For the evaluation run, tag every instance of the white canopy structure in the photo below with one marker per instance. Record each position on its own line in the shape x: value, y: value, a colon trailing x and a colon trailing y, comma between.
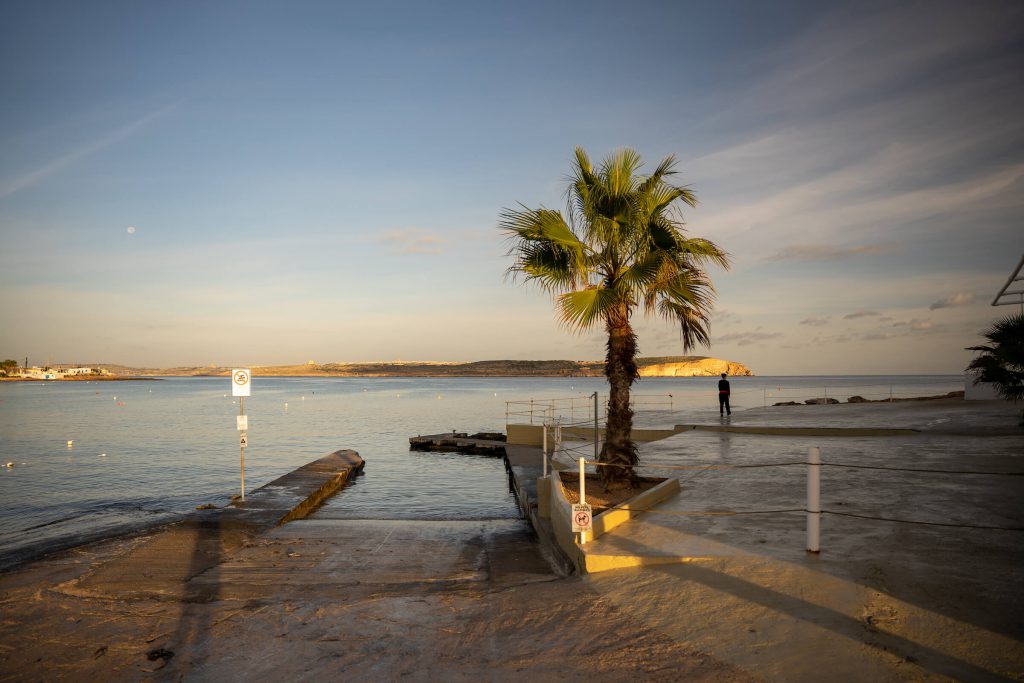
x: 1008, y: 296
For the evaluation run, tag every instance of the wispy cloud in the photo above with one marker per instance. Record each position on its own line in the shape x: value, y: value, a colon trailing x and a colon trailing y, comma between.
x: 860, y: 314
x: 823, y: 252
x: 32, y: 177
x: 747, y: 338
x: 916, y: 324
x: 958, y: 299
x: 413, y: 241
x: 816, y: 320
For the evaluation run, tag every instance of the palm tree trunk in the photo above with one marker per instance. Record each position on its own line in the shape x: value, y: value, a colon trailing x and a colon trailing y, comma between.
x: 619, y: 451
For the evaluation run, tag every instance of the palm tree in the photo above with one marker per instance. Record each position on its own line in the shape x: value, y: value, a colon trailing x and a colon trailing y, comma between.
x: 619, y: 246
x: 1002, y: 360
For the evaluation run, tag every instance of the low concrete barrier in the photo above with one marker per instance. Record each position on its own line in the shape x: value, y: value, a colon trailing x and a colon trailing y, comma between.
x: 533, y: 435
x: 560, y: 510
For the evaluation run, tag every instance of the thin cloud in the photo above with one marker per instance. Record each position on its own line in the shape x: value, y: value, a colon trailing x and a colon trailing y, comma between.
x: 412, y: 241
x: 916, y: 324
x: 860, y: 314
x: 823, y: 252
x: 958, y: 299
x: 816, y: 321
x: 748, y: 338
x: 31, y: 178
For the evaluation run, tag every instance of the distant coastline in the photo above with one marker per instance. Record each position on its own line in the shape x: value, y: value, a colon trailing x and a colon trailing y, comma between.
x: 87, y: 378
x: 664, y: 366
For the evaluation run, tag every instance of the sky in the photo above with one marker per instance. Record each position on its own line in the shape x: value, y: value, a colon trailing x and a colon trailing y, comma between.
x: 256, y: 183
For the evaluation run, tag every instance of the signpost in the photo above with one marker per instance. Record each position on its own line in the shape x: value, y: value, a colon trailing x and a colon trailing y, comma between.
x: 241, y: 386
x: 582, y: 518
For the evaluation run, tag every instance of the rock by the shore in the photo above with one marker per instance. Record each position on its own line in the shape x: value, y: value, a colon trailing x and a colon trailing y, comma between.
x: 820, y: 401
x: 787, y: 403
x: 857, y: 399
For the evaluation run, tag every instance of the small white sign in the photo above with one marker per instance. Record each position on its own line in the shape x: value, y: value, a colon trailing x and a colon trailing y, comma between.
x: 241, y: 382
x: 581, y: 517
x: 243, y: 439
x: 242, y: 421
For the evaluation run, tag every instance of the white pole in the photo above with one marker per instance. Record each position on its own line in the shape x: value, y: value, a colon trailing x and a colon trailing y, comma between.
x: 814, y: 500
x: 241, y: 411
x: 583, y: 493
x: 545, y: 448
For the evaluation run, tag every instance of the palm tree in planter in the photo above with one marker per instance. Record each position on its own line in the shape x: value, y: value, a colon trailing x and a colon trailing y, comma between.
x: 620, y: 246
x: 1001, y: 361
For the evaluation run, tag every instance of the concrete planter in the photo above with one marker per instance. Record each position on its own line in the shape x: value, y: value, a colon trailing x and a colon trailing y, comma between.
x: 559, y: 508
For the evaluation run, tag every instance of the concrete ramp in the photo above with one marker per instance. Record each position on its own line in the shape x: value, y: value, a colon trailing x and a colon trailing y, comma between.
x: 318, y: 554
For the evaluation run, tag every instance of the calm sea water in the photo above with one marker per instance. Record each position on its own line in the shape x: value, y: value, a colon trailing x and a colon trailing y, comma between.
x: 148, y: 451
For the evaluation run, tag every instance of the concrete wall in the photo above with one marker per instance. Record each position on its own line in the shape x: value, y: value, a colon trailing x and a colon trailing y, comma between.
x: 978, y: 392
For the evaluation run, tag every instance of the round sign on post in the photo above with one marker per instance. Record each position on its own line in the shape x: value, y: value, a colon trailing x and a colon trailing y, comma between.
x: 241, y: 382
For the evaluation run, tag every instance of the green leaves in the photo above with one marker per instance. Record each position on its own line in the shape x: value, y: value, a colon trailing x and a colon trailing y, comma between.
x: 620, y: 242
x: 1002, y: 359
x: 585, y: 308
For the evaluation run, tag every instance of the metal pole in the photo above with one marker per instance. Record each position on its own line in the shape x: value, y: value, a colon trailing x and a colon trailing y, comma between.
x: 583, y: 493
x: 764, y: 397
x: 597, y: 432
x: 531, y: 411
x: 890, y: 393
x: 814, y: 500
x: 241, y: 411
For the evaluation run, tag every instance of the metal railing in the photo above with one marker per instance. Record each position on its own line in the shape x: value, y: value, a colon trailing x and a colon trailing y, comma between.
x: 577, y: 409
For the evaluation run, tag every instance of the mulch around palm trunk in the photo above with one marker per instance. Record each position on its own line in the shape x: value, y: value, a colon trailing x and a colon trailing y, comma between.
x: 599, y: 499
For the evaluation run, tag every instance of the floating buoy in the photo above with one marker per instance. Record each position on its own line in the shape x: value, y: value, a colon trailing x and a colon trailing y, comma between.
x: 286, y: 406
x: 71, y: 444
x: 10, y: 465
x: 439, y: 397
x: 103, y: 455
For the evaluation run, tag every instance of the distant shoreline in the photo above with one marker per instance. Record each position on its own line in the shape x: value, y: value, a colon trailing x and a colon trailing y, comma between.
x: 85, y: 378
x: 666, y: 366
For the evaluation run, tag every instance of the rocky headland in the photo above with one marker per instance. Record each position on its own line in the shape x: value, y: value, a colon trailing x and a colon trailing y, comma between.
x: 663, y: 366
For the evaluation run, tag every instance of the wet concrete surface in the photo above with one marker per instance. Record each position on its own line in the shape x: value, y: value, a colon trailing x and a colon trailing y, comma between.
x: 884, y: 600
x: 476, y: 600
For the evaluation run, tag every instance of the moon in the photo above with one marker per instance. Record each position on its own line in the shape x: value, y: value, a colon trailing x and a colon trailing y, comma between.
x: 131, y: 229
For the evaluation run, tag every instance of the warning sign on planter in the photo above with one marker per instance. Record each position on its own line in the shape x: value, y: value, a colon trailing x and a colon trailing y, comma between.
x: 581, y: 518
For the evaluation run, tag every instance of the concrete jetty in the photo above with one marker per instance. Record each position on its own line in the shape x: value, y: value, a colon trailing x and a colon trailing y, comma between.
x: 164, y: 562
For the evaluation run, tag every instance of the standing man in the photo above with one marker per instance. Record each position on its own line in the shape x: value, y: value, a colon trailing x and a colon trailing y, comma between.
x: 723, y: 396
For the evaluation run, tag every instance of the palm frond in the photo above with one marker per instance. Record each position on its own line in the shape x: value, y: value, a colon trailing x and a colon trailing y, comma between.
x: 584, y: 308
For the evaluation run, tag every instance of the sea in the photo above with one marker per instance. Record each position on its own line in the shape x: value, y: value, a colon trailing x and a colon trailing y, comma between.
x: 85, y: 460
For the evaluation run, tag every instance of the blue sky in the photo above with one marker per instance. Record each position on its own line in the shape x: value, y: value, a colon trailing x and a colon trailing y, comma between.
x: 322, y: 181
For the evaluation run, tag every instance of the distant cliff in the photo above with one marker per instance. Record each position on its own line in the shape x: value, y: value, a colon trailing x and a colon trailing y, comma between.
x: 668, y: 366
x: 691, y: 367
